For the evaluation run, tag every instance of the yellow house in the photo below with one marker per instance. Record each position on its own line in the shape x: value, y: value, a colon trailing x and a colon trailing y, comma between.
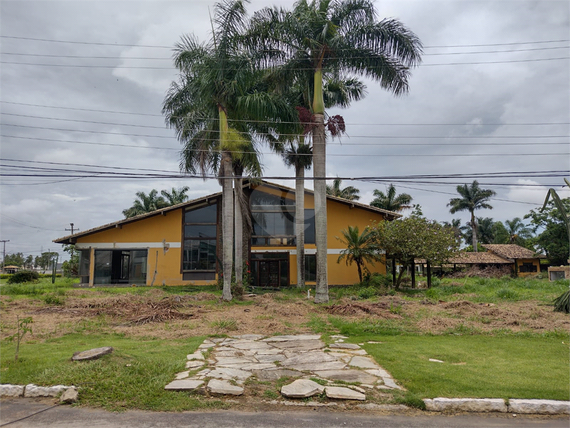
x: 181, y: 244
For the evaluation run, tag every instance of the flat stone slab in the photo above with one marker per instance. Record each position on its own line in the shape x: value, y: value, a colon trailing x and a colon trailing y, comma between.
x: 363, y: 363
x: 249, y: 336
x: 183, y: 375
x: 195, y: 356
x: 343, y: 346
x: 466, y: 405
x: 91, y: 354
x: 216, y: 386
x: 184, y: 385
x: 301, y: 388
x: 349, y: 375
x: 229, y: 373
x: 308, y: 357
x: 269, y: 375
x: 544, y: 407
x: 7, y: 390
x: 343, y: 393
x: 223, y: 361
x: 389, y: 382
x: 194, y: 364
x: 250, y: 345
x: 293, y: 337
x: 300, y: 345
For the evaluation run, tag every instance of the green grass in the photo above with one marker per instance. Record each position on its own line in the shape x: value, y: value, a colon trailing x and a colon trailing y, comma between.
x: 132, y: 377
x: 476, y: 366
x: 39, y: 288
x: 493, y: 290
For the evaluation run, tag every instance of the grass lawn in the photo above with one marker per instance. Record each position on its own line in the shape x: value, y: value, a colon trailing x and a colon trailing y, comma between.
x: 132, y: 377
x: 476, y: 366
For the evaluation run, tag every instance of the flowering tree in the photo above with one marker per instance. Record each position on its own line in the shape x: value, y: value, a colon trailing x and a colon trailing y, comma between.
x: 416, y: 237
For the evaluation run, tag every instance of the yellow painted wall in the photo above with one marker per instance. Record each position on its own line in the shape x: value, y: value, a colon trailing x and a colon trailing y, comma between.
x: 339, y: 217
x: 520, y: 262
x: 154, y: 229
x: 168, y: 228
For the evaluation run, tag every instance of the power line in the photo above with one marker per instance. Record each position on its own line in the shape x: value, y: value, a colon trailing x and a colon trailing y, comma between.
x: 299, y: 68
x: 261, y: 121
x: 396, y: 137
x: 170, y: 47
x: 353, y: 57
x: 329, y: 144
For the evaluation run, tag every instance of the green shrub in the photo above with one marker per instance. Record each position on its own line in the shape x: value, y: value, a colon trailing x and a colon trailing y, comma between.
x: 23, y: 276
x: 507, y: 294
x: 52, y: 299
x: 367, y: 292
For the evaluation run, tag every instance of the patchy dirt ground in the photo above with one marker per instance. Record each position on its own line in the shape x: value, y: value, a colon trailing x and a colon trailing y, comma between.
x: 165, y: 315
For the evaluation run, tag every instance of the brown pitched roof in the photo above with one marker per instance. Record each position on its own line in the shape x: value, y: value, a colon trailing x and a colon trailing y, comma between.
x: 467, y: 258
x: 511, y: 251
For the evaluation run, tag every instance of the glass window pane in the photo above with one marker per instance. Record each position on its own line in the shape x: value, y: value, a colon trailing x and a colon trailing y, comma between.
x: 138, y: 267
x: 207, y: 214
x: 84, y: 259
x: 199, y: 254
x: 103, y: 266
x: 200, y: 231
x: 309, y: 226
x: 266, y: 201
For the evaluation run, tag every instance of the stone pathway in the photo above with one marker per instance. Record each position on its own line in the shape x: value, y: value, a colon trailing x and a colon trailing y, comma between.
x: 231, y: 361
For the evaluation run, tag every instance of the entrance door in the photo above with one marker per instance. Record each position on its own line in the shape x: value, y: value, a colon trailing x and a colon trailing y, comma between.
x: 270, y: 270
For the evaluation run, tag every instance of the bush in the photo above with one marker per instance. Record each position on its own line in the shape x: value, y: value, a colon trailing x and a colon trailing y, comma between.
x: 367, y: 292
x: 562, y: 302
x: 23, y: 276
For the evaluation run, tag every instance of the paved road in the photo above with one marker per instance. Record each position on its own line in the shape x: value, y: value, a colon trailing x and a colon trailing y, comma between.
x: 68, y: 417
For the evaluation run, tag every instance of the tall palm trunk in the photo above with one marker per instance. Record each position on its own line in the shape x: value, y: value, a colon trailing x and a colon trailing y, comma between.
x: 300, y: 223
x: 320, y: 173
x: 226, y: 172
x: 474, y: 230
x: 238, y: 198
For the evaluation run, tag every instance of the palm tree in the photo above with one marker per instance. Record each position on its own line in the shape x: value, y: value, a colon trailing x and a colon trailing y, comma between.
x: 340, y: 36
x: 472, y: 198
x: 361, y: 248
x: 517, y: 230
x: 145, y: 204
x: 176, y: 196
x: 455, y: 225
x: 218, y: 82
x: 349, y: 192
x: 390, y: 201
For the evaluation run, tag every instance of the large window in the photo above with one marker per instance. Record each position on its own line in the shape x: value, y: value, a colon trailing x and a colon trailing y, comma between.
x: 274, y: 221
x: 120, y: 267
x: 310, y: 267
x: 200, y: 239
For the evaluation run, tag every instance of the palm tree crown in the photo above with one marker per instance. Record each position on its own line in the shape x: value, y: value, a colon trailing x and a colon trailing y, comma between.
x: 472, y: 198
x: 351, y: 193
x: 333, y: 36
x: 361, y: 248
x: 390, y: 201
x: 145, y: 204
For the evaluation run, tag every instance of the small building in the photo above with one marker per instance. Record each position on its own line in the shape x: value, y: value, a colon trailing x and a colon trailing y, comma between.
x: 558, y: 272
x: 525, y: 262
x: 181, y: 244
x: 11, y: 269
x: 521, y: 261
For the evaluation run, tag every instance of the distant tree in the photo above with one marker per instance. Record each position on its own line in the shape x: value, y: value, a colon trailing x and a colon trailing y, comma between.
x: 176, y: 196
x: 455, y: 225
x: 145, y: 204
x: 390, y: 200
x: 349, y: 192
x: 417, y: 211
x: 71, y: 267
x: 553, y: 236
x: 29, y: 263
x: 46, y: 259
x: 518, y: 231
x: 361, y: 248
x: 472, y: 198
x: 500, y: 233
x: 416, y: 237
x: 16, y: 259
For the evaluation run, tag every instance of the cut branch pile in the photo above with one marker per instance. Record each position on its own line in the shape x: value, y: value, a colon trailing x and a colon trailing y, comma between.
x: 135, y: 311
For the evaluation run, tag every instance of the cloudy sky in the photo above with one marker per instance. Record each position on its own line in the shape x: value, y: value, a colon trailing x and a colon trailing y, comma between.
x: 82, y: 83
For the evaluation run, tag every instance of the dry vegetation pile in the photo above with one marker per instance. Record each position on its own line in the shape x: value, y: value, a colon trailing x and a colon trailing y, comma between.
x: 133, y: 310
x: 157, y: 313
x: 488, y: 272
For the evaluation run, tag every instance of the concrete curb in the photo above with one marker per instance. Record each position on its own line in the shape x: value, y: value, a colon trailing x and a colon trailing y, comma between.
x: 31, y: 390
x: 523, y: 406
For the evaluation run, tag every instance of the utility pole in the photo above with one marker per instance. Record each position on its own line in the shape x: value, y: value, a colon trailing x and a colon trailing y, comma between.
x: 71, y: 224
x: 4, y: 252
